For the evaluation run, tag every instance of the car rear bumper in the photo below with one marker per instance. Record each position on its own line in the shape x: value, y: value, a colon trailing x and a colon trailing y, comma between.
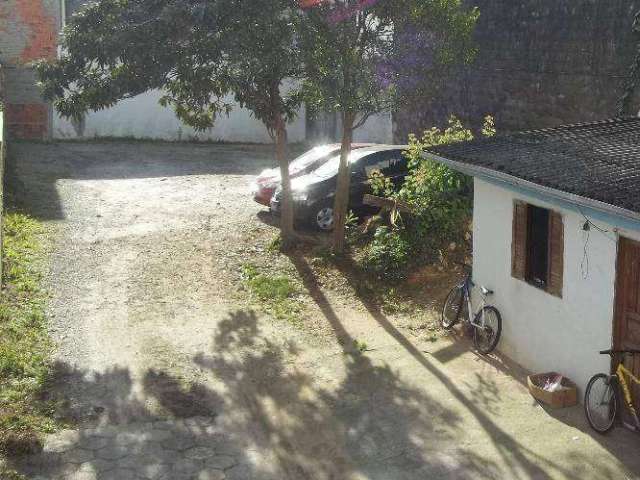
x: 263, y: 195
x: 301, y: 210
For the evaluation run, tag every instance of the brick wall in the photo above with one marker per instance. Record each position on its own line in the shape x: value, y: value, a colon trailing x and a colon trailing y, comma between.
x: 28, y: 32
x: 540, y: 63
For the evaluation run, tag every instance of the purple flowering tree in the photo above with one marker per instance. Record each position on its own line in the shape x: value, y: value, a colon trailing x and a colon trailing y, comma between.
x: 364, y: 57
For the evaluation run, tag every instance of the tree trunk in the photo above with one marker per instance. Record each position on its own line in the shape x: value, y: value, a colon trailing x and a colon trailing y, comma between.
x: 287, y: 233
x: 341, y: 203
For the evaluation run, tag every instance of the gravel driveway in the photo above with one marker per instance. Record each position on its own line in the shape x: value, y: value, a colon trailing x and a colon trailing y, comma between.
x: 167, y: 372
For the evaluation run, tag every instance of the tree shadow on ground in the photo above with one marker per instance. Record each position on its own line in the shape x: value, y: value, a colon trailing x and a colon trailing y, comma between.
x: 364, y: 419
x: 518, y: 460
x: 262, y: 417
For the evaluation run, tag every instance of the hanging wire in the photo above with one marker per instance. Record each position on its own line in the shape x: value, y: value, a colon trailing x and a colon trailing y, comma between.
x: 584, y: 265
x: 586, y: 228
x: 588, y: 223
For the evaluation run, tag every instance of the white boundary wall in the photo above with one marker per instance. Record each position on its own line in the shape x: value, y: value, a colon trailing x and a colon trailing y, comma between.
x: 143, y: 117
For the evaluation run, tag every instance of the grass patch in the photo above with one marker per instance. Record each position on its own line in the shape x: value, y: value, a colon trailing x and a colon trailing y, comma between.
x: 275, y: 245
x: 360, y: 345
x: 24, y: 343
x: 275, y: 293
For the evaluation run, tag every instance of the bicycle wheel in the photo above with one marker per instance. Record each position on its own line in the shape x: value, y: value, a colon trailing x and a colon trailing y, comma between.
x: 601, y: 402
x: 452, y: 307
x: 485, y: 339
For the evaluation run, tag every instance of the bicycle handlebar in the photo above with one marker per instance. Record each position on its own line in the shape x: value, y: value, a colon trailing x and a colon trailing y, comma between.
x: 613, y: 352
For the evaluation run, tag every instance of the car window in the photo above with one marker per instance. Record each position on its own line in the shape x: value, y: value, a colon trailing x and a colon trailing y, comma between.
x: 377, y: 162
x: 315, y: 155
x: 397, y: 164
x: 330, y: 167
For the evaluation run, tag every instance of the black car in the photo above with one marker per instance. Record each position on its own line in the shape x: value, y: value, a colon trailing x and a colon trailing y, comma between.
x: 313, y: 194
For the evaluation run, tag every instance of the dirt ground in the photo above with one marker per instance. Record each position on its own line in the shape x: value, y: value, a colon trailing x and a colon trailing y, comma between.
x: 169, y: 369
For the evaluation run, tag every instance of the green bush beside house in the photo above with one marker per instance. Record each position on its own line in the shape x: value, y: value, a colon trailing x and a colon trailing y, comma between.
x: 441, y: 202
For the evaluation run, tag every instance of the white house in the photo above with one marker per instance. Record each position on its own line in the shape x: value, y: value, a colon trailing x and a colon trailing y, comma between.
x: 557, y: 236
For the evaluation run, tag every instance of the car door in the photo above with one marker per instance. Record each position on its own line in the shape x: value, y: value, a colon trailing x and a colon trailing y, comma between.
x: 378, y: 161
x: 397, y: 169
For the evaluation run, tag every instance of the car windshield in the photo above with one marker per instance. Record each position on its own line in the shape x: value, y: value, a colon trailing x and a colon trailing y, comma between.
x: 313, y: 155
x: 330, y: 168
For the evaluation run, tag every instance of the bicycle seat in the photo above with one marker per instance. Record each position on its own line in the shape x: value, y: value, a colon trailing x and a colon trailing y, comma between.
x: 613, y: 352
x: 486, y: 291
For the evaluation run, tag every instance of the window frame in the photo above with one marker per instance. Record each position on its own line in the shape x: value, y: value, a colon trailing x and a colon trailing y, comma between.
x: 532, y: 248
x: 520, y: 248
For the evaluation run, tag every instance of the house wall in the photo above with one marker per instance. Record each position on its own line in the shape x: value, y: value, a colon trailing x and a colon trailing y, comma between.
x: 540, y: 331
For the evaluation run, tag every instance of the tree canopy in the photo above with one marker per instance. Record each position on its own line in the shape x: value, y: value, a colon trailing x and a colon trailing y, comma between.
x: 358, y: 57
x: 363, y: 57
x: 199, y: 53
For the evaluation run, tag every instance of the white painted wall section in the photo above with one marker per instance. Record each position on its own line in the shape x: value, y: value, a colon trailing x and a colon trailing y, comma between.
x: 377, y: 129
x: 540, y: 331
x: 143, y: 117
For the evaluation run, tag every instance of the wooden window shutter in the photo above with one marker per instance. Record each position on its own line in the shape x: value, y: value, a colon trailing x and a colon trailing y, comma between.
x: 519, y: 240
x: 556, y: 254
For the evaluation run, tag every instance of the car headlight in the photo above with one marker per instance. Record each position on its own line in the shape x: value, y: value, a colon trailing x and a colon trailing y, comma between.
x: 299, y: 195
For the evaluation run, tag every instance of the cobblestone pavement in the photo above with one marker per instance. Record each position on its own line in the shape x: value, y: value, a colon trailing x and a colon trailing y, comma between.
x: 180, y: 449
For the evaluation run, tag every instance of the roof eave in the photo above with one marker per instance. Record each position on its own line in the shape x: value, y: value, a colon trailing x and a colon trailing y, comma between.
x: 478, y: 171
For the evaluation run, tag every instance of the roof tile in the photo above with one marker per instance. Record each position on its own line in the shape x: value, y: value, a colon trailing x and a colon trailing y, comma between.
x: 599, y: 160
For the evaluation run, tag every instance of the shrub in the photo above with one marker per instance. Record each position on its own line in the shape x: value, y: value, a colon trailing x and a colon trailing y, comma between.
x: 388, y: 254
x: 441, y: 200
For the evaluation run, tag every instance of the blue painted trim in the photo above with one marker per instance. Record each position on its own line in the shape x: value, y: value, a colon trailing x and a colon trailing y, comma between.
x: 591, y: 213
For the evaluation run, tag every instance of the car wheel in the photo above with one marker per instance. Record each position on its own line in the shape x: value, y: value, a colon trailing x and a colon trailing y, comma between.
x: 323, y: 218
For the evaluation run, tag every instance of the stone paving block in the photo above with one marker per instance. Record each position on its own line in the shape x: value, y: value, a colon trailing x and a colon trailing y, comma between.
x: 108, y: 431
x: 213, y: 439
x: 187, y: 466
x: 93, y: 442
x: 198, y: 422
x: 211, y: 475
x: 154, y: 471
x: 221, y: 462
x: 61, y: 442
x: 98, y: 465
x: 164, y: 424
x: 134, y: 461
x: 129, y: 438
x: 159, y: 435
x: 154, y: 450
x: 113, y: 452
x: 119, y: 474
x: 179, y: 443
x: 81, y: 475
x: 200, y: 453
x: 240, y: 472
x: 77, y: 456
